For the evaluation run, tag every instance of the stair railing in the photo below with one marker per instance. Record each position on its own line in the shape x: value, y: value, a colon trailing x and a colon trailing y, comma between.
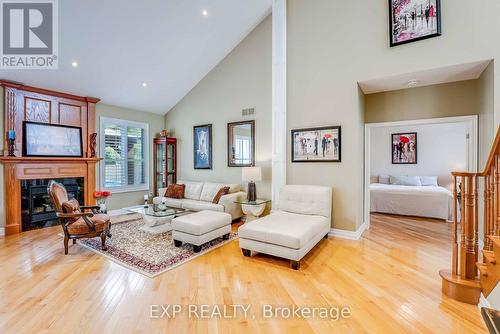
x: 465, y: 213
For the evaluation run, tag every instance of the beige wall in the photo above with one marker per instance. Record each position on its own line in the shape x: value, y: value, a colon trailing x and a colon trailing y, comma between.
x: 332, y: 45
x: 156, y: 122
x: 241, y: 80
x: 450, y: 99
x: 486, y: 88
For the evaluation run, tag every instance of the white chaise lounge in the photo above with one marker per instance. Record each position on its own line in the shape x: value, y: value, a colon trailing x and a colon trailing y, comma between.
x: 302, y: 219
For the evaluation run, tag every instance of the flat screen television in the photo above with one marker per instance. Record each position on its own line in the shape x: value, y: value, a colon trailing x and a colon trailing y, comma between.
x: 51, y: 140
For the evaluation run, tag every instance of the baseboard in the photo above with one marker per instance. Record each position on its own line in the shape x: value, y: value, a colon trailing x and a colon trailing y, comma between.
x: 352, y: 235
x: 483, y: 302
x: 2, y: 231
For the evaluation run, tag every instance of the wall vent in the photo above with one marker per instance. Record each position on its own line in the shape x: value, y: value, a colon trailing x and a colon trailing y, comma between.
x: 248, y: 112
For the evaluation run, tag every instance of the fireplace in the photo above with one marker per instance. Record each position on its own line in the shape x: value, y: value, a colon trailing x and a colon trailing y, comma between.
x: 25, y: 200
x: 36, y: 207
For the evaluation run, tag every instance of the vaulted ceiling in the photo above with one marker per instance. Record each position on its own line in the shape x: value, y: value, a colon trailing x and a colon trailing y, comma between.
x: 144, y: 55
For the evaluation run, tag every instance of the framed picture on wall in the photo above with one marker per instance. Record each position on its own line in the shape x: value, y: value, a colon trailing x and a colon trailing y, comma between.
x: 51, y: 140
x: 413, y: 20
x: 317, y: 144
x: 404, y: 148
x: 202, y: 146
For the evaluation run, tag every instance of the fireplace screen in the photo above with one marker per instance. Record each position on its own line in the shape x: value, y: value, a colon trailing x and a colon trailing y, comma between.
x: 36, y: 206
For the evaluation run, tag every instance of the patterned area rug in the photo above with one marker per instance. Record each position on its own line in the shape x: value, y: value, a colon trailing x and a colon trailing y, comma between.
x: 146, y: 253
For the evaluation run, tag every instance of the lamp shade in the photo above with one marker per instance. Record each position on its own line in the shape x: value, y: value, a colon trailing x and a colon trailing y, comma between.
x: 251, y: 174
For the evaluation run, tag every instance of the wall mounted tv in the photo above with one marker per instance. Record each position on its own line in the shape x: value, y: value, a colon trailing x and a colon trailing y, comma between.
x: 51, y: 140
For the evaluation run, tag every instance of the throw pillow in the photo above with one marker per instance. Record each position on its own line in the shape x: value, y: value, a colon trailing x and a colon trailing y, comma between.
x: 222, y: 191
x: 404, y: 180
x: 431, y: 181
x: 71, y: 206
x: 383, y: 178
x: 175, y: 191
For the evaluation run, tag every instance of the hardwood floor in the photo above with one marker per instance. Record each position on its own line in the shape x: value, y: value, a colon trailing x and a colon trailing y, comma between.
x: 389, y: 280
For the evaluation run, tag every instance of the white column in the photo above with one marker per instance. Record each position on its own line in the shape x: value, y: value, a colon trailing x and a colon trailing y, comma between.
x: 279, y: 126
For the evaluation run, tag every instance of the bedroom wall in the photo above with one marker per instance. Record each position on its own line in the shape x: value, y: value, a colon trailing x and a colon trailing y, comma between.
x: 441, y: 148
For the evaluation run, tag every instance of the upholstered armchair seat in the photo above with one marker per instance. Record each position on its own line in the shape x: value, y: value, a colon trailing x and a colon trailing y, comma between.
x: 80, y: 226
x: 77, y: 223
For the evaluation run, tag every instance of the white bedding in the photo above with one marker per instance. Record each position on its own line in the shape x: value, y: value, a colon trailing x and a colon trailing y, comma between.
x: 428, y: 201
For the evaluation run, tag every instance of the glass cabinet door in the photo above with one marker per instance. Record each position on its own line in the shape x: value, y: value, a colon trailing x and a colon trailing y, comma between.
x: 171, y: 163
x: 161, y: 161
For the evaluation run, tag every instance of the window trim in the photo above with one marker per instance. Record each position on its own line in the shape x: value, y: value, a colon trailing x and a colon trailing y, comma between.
x: 125, y: 189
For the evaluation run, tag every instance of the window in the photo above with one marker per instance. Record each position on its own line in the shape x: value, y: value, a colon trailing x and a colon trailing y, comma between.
x: 123, y: 145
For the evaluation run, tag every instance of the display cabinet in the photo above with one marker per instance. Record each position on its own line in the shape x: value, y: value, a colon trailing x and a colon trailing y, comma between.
x: 165, y: 162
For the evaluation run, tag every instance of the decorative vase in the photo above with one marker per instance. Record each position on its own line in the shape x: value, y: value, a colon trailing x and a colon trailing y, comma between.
x: 101, y: 202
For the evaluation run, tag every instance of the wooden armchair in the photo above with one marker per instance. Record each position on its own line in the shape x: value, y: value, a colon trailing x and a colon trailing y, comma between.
x: 77, y: 223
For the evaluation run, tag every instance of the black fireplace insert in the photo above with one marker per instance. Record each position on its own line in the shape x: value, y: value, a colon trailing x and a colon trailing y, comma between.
x: 36, y: 206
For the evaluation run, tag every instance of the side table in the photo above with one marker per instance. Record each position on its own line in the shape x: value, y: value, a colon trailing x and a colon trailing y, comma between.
x: 253, y: 209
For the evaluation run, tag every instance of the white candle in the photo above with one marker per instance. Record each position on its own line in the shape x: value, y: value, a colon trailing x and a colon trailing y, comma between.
x: 146, y: 197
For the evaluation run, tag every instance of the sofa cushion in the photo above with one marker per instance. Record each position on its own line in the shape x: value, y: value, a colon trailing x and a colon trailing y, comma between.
x: 201, y: 222
x: 284, y: 229
x: 192, y: 189
x: 233, y: 187
x: 174, y: 202
x: 193, y: 205
x: 209, y: 191
x: 307, y: 200
x: 222, y: 191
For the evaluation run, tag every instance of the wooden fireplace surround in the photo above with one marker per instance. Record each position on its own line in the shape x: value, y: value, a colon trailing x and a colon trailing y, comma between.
x: 26, y: 103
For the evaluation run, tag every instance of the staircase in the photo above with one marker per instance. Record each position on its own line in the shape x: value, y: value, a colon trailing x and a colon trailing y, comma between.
x: 470, y: 274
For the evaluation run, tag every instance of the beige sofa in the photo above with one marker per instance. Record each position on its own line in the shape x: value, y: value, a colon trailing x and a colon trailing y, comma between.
x: 302, y: 219
x: 198, y: 196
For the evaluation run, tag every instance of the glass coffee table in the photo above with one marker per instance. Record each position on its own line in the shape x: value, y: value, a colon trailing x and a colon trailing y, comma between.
x: 157, y: 221
x: 253, y: 209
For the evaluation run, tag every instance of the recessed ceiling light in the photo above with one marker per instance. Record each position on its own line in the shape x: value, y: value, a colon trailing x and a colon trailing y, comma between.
x: 413, y: 83
x: 204, y: 12
x: 144, y: 84
x: 74, y: 64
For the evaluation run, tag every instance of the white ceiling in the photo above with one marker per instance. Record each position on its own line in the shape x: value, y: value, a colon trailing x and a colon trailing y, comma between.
x: 467, y: 71
x: 119, y: 44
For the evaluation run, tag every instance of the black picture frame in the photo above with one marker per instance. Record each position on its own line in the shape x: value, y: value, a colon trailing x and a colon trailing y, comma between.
x: 229, y: 142
x: 27, y: 153
x: 393, y: 148
x: 392, y: 22
x: 196, y: 164
x: 325, y: 128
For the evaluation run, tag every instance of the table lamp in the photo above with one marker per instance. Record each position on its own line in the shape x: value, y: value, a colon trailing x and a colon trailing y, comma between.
x: 251, y: 175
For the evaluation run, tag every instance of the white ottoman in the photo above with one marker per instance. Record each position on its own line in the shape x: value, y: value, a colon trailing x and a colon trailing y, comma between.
x: 200, y: 227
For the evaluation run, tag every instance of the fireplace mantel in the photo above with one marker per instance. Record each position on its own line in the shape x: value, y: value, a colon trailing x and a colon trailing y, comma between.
x: 26, y: 103
x: 7, y: 160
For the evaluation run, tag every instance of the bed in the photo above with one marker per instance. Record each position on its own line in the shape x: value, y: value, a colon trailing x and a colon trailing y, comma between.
x: 422, y: 201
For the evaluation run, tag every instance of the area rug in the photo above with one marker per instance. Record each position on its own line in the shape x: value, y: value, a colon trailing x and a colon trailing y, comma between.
x: 146, y: 253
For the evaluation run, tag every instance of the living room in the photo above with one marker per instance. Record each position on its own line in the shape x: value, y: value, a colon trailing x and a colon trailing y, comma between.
x: 192, y: 166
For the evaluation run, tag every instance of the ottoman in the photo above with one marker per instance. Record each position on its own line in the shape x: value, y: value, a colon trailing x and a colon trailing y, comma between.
x: 200, y: 227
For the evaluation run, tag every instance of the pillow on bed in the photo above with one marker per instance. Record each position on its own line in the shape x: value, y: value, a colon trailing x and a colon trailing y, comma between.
x: 431, y: 181
x: 384, y: 179
x: 404, y: 180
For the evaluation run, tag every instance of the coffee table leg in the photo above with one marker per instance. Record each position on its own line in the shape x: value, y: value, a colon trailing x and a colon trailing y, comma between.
x: 196, y: 249
x: 177, y: 243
